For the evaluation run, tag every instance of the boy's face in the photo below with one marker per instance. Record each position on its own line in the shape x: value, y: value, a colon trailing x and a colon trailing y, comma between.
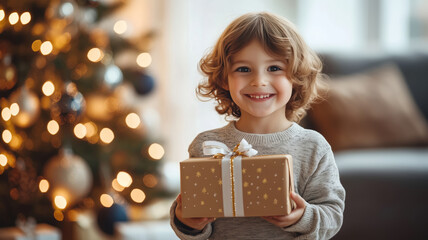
x: 258, y: 84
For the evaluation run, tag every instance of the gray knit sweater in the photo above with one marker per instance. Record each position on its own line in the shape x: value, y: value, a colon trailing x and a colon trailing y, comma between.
x: 316, y: 180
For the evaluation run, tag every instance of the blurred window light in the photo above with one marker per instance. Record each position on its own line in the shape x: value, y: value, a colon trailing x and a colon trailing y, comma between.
x: 331, y: 25
x: 394, y: 22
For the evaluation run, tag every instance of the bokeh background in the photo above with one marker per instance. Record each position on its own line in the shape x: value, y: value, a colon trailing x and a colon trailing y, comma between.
x: 98, y: 102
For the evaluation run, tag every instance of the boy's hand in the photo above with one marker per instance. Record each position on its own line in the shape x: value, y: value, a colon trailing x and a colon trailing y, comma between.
x: 195, y: 223
x: 293, y: 217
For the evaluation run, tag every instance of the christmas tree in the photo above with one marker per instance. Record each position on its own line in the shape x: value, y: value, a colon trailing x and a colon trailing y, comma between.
x: 71, y: 136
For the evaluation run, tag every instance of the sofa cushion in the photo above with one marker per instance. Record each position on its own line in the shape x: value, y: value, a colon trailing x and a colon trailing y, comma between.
x: 370, y: 109
x: 412, y: 64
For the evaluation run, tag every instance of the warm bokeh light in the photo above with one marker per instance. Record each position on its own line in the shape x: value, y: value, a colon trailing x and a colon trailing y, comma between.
x: 43, y: 185
x: 80, y: 130
x: 116, y: 186
x: 58, y: 215
x: 132, y: 120
x: 144, y: 60
x: 60, y: 202
x: 156, y: 151
x: 150, y: 180
x: 91, y: 129
x: 14, y: 109
x: 25, y: 18
x: 95, y: 55
x: 73, y: 215
x: 14, y: 193
x: 36, y: 45
x: 46, y: 48
x: 1, y: 14
x: 6, y: 114
x: 13, y: 18
x: 120, y: 27
x: 53, y: 127
x: 6, y: 136
x: 106, y: 135
x: 3, y: 160
x: 16, y: 141
x: 124, y: 179
x: 137, y: 195
x: 106, y: 200
x: 48, y: 88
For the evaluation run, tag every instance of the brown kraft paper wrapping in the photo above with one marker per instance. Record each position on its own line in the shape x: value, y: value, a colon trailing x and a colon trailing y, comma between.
x: 266, y: 184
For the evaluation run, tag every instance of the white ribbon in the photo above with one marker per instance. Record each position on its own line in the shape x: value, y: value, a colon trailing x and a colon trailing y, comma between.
x: 232, y: 192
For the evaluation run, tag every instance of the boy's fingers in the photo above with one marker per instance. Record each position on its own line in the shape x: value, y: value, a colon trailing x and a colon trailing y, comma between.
x: 178, y: 199
x: 300, y: 202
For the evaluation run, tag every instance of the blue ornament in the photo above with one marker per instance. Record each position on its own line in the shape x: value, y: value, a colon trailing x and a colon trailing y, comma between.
x: 144, y: 84
x: 107, y: 217
x: 70, y: 107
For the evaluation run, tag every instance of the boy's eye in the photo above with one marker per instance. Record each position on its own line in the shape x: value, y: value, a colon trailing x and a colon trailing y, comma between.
x: 242, y: 69
x: 274, y: 68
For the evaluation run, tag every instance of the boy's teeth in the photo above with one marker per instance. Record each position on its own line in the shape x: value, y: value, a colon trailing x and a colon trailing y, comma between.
x: 259, y: 96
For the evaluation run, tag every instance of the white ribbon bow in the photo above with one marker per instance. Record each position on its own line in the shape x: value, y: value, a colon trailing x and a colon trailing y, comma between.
x: 231, y: 173
x: 216, y: 147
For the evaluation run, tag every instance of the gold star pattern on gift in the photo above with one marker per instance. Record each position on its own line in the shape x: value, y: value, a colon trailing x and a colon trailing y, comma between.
x: 262, y: 186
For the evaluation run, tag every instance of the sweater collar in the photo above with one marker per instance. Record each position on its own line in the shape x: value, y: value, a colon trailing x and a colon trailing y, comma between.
x: 263, y: 139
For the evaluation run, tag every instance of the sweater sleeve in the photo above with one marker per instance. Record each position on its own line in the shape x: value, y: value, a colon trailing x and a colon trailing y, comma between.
x: 325, y: 198
x: 180, y: 229
x: 187, y: 234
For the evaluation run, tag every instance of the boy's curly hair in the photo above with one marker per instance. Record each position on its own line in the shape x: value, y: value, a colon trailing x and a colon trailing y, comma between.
x: 279, y: 38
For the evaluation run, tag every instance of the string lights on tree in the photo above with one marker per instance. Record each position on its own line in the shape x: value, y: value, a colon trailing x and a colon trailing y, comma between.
x: 63, y: 124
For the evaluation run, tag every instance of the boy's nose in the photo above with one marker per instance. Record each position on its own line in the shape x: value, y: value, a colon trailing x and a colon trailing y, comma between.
x: 258, y: 80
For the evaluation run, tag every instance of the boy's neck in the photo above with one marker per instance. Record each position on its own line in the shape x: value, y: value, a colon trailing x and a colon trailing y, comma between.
x: 261, y: 125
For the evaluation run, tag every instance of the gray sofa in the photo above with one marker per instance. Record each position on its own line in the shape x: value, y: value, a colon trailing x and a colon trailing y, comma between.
x: 386, y: 183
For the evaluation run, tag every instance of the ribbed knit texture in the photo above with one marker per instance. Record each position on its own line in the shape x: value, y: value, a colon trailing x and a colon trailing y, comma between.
x: 316, y: 180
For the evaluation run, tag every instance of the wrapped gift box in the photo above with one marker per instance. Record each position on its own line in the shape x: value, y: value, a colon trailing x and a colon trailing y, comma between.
x: 257, y: 186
